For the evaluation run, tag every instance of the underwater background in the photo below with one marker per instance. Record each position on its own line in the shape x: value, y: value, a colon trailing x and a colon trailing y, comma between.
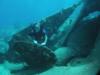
x: 71, y: 33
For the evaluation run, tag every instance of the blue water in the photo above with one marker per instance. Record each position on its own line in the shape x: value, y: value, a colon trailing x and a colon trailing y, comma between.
x: 17, y: 14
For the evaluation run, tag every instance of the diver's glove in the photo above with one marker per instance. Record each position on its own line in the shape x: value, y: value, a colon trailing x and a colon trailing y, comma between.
x: 39, y: 58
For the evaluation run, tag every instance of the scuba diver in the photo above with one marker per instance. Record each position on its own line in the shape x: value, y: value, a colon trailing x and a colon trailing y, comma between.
x: 39, y: 34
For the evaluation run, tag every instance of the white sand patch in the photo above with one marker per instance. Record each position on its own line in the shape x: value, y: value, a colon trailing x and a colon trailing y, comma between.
x: 4, y: 71
x: 80, y: 69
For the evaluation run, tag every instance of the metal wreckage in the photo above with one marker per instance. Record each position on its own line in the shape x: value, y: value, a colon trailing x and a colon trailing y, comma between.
x: 36, y: 43
x: 39, y: 57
